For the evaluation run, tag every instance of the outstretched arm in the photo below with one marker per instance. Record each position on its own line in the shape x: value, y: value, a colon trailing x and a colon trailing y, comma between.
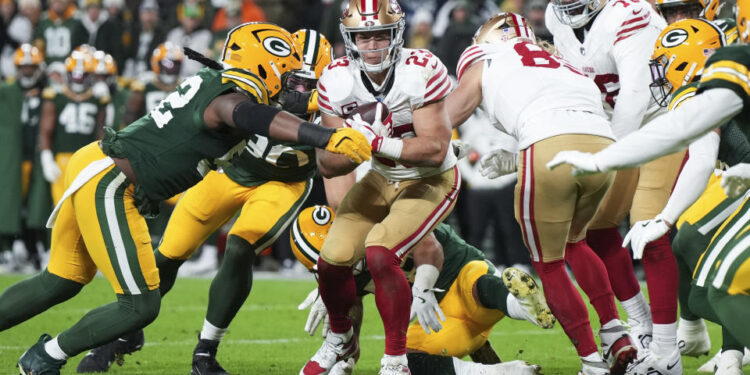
x: 462, y: 102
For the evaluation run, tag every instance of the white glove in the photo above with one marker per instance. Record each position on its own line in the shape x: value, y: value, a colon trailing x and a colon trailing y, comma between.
x: 317, y: 313
x: 736, y: 180
x: 582, y: 162
x: 425, y: 307
x: 644, y: 232
x: 460, y: 148
x: 498, y: 163
x: 49, y: 167
x: 343, y: 367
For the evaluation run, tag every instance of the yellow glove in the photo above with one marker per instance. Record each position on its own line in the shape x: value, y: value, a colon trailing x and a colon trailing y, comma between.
x: 349, y: 142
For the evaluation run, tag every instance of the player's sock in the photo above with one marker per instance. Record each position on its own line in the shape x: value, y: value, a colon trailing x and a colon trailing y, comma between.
x: 493, y: 294
x: 392, y: 296
x: 591, y: 275
x: 665, y: 337
x: 637, y: 308
x: 232, y: 283
x: 567, y: 305
x: 729, y: 342
x: 106, y: 323
x: 212, y: 332
x: 593, y: 357
x: 428, y: 364
x: 53, y: 349
x: 339, y: 292
x: 607, y: 244
x: 661, y: 276
x: 167, y: 271
x: 29, y: 297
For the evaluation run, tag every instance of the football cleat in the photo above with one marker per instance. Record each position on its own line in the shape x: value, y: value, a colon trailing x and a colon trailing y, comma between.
x: 593, y: 368
x: 692, y: 338
x: 618, y: 348
x: 394, y: 365
x: 335, y: 348
x: 641, y: 333
x: 35, y: 360
x: 712, y: 364
x: 204, y: 358
x: 101, y: 358
x: 343, y: 367
x: 651, y: 363
x: 524, y: 289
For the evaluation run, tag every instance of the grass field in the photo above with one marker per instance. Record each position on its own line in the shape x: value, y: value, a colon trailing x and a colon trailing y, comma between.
x: 267, y: 337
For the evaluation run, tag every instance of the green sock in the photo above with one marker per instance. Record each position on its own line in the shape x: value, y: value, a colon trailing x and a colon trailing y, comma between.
x: 729, y: 342
x: 428, y: 364
x: 232, y: 283
x: 167, y: 271
x: 732, y: 311
x: 27, y: 298
x: 108, y: 322
x: 492, y: 293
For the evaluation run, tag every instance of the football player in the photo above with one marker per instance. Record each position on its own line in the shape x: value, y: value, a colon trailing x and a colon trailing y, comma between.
x: 547, y: 105
x: 469, y: 290
x: 612, y: 42
x: 676, y: 10
x: 721, y: 97
x: 151, y: 89
x: 110, y: 185
x: 411, y: 188
x: 267, y: 184
x: 71, y: 118
x: 59, y: 31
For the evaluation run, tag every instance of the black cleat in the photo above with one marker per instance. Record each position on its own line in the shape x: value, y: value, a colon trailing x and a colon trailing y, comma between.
x: 36, y: 361
x: 204, y: 358
x: 101, y: 358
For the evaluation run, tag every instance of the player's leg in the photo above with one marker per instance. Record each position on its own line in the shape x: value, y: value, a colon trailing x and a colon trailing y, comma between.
x: 361, y: 208
x: 417, y: 207
x: 729, y: 290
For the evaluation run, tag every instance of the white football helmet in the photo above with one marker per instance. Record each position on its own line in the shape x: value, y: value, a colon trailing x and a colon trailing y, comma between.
x: 577, y: 13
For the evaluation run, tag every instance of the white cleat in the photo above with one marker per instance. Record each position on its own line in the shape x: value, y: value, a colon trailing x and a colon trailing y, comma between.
x: 525, y: 290
x: 593, y: 368
x: 713, y: 364
x: 692, y: 338
x: 335, y: 348
x: 641, y: 332
x: 512, y: 368
x: 651, y: 363
x: 394, y: 365
x: 343, y: 367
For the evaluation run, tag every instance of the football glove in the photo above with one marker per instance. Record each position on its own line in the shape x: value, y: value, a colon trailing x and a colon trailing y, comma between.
x: 498, y: 163
x: 425, y: 307
x: 736, y: 180
x: 50, y: 170
x: 318, y: 313
x: 460, y: 148
x: 582, y: 162
x: 644, y: 232
x: 350, y: 143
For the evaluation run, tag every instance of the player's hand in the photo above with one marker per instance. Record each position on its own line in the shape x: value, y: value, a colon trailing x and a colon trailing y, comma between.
x: 50, y: 170
x: 498, y: 163
x: 582, y: 162
x: 736, y: 180
x: 318, y: 313
x: 425, y: 307
x: 460, y: 148
x: 350, y: 143
x: 644, y: 232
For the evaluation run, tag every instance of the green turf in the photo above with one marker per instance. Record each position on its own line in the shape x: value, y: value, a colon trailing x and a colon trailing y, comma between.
x: 267, y: 336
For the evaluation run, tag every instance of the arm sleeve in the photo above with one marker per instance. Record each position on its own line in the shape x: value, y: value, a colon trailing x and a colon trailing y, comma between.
x: 734, y: 147
x: 693, y: 177
x: 672, y: 131
x: 632, y: 53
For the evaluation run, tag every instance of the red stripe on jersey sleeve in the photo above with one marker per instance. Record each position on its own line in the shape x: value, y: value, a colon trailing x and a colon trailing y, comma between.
x: 432, y: 98
x: 323, y: 97
x: 442, y: 72
x: 437, y: 87
x: 321, y: 87
x: 467, y: 59
x: 324, y: 105
x: 630, y: 32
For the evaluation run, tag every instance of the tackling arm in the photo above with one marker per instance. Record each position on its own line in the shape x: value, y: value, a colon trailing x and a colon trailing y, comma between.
x: 331, y: 165
x: 462, y: 102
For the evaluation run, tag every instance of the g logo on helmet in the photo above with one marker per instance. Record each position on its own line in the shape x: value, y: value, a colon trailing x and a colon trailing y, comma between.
x: 321, y: 215
x: 277, y: 46
x: 674, y: 38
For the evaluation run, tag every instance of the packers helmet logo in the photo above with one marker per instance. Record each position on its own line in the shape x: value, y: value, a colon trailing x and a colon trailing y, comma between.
x: 674, y: 38
x: 277, y: 46
x: 321, y: 215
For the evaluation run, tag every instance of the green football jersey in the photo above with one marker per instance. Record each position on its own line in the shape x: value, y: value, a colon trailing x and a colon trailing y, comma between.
x: 170, y: 148
x: 75, y: 118
x: 60, y: 37
x: 457, y: 254
x: 264, y: 160
x: 728, y: 68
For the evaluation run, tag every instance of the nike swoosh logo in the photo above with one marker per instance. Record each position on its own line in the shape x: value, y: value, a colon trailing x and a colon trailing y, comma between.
x: 644, y: 225
x: 435, y: 65
x: 635, y: 13
x: 423, y: 300
x: 670, y: 366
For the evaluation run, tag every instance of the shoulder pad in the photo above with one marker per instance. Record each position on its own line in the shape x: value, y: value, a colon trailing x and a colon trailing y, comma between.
x: 48, y: 93
x: 247, y: 82
x: 335, y: 86
x: 626, y: 18
x: 425, y: 77
x: 470, y: 55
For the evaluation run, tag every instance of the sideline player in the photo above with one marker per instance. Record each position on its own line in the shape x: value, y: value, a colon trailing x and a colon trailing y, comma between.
x: 99, y: 223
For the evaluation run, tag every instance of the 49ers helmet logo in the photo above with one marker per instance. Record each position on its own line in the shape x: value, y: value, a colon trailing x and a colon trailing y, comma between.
x: 277, y: 46
x: 674, y: 38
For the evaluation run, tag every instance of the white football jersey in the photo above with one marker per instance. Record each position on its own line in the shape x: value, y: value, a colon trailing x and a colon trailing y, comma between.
x: 597, y: 56
x: 533, y: 95
x: 419, y: 77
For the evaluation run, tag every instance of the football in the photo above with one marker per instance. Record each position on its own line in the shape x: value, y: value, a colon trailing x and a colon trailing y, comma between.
x: 368, y: 110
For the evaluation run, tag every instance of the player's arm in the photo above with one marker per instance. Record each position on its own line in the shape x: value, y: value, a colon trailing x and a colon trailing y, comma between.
x: 333, y: 166
x: 101, y: 119
x: 462, y: 102
x: 249, y: 117
x: 428, y: 260
x: 428, y: 148
x: 47, y: 124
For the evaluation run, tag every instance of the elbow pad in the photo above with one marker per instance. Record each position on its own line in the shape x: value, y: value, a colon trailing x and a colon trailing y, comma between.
x: 254, y: 118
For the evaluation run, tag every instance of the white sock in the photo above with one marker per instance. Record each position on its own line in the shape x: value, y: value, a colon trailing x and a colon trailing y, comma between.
x: 665, y: 337
x: 515, y: 311
x: 393, y: 359
x: 345, y: 337
x: 637, y: 308
x: 611, y: 323
x: 212, y: 332
x: 593, y: 357
x: 692, y: 325
x: 467, y: 368
x: 53, y: 349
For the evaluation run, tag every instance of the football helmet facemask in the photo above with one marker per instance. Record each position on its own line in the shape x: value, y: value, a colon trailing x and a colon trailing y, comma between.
x: 362, y: 16
x: 299, y: 87
x: 677, y: 10
x: 577, y: 13
x: 166, y: 61
x: 29, y: 62
x: 742, y: 13
x: 79, y: 66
